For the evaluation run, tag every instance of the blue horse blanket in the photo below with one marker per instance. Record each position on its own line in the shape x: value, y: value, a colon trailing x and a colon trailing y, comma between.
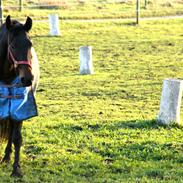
x: 17, y: 102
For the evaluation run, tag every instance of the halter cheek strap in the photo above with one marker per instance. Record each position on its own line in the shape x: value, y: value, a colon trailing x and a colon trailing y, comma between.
x: 14, y: 61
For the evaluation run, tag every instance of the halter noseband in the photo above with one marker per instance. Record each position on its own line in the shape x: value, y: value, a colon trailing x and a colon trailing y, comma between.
x: 12, y: 59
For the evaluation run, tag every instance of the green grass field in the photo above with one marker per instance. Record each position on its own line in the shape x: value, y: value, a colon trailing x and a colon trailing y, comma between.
x: 93, y: 9
x: 101, y: 128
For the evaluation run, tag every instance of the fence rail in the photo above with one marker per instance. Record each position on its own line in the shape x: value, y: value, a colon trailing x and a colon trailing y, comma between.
x: 91, y: 9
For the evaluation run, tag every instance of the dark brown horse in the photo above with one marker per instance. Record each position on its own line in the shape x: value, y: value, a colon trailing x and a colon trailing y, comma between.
x: 17, y: 59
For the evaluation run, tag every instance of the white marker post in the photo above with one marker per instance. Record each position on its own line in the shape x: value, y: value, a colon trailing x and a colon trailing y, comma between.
x: 86, y: 64
x: 54, y: 25
x: 170, y: 101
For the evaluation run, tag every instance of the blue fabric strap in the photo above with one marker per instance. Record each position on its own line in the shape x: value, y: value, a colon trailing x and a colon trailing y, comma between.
x: 17, y: 103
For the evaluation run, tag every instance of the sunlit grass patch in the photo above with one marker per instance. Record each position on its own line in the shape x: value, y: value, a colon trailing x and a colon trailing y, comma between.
x: 103, y: 127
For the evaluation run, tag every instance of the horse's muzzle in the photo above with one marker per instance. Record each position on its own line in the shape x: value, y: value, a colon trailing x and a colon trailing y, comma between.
x: 25, y: 75
x: 26, y: 82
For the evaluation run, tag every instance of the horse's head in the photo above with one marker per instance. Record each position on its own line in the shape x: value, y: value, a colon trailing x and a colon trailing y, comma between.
x: 19, y: 49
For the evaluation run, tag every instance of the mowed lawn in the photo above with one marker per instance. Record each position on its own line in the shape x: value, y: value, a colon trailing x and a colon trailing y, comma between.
x: 102, y: 128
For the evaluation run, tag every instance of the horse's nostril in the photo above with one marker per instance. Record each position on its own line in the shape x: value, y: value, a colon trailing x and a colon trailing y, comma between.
x: 26, y: 82
x: 22, y: 80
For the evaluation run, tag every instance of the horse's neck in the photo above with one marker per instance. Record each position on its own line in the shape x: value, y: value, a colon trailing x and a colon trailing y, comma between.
x: 35, y: 69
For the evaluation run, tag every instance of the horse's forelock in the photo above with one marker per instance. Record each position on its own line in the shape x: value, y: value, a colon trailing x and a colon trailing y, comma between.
x: 16, y: 27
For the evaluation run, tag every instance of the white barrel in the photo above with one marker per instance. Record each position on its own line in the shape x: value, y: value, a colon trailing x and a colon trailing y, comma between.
x: 170, y: 101
x: 54, y: 25
x: 86, y: 63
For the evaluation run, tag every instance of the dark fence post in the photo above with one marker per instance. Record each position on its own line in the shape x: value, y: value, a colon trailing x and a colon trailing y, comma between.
x: 20, y: 5
x: 1, y: 13
x: 145, y: 4
x: 137, y: 11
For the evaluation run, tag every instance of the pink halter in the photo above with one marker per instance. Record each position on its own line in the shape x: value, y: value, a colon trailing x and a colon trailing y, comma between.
x: 13, y: 60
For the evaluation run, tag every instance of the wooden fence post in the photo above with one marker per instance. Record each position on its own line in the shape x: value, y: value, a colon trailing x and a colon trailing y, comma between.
x: 145, y: 4
x: 1, y: 13
x: 137, y: 11
x: 170, y: 101
x: 86, y: 64
x: 20, y: 5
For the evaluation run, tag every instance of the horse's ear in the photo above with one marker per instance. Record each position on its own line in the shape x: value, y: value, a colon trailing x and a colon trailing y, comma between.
x: 28, y: 24
x: 8, y: 22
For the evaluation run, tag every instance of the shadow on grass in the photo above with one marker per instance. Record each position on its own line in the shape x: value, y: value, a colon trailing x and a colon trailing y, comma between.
x: 117, y: 125
x: 136, y: 145
x: 45, y: 36
x: 140, y: 124
x: 130, y: 24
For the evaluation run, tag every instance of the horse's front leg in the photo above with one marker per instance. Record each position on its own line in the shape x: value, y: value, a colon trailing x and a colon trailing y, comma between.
x: 8, y: 149
x: 17, y: 141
